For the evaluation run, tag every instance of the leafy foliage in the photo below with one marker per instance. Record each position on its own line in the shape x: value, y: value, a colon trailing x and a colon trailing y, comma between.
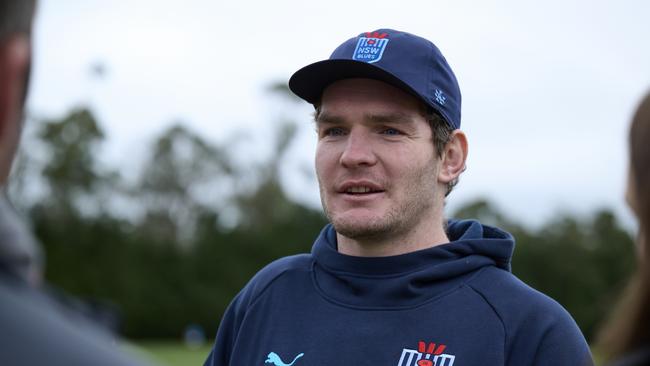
x: 178, y: 264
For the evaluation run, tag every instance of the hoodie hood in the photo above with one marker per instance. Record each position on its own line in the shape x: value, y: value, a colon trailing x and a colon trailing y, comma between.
x: 410, y: 279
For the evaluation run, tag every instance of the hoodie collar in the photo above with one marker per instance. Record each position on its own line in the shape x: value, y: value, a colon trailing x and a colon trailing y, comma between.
x: 411, y: 278
x: 467, y: 237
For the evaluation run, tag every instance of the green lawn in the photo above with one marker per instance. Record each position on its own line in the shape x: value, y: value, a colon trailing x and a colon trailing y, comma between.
x: 172, y: 353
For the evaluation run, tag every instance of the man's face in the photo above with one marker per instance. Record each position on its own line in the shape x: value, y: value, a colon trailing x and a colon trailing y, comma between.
x: 375, y: 160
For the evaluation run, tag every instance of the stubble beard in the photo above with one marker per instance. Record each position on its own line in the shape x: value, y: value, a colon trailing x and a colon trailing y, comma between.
x: 401, y: 218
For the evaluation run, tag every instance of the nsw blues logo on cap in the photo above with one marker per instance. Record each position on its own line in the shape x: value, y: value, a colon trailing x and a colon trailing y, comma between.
x: 371, y: 47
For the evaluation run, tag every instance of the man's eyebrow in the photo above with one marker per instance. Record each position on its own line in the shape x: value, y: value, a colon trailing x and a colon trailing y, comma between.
x: 328, y: 118
x: 392, y: 117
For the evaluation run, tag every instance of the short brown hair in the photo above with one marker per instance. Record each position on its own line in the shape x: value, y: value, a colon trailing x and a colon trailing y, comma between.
x: 441, y: 131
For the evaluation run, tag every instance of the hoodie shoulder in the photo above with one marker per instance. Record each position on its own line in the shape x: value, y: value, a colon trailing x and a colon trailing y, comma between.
x: 536, y: 326
x: 273, y: 271
x: 504, y: 291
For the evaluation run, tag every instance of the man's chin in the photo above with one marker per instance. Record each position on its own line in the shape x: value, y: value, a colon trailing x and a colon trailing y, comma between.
x: 361, y: 229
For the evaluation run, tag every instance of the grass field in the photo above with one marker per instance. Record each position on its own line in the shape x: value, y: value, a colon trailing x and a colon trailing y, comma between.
x: 172, y: 353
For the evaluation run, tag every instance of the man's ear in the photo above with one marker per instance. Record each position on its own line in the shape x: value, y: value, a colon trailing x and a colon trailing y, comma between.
x: 14, y: 69
x: 453, y: 158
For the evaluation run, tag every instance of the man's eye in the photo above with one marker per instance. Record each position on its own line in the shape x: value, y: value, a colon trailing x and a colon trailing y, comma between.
x: 334, y: 131
x: 391, y: 132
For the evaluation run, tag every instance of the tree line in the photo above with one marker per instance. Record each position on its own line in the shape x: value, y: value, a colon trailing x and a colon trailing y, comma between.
x: 183, y: 257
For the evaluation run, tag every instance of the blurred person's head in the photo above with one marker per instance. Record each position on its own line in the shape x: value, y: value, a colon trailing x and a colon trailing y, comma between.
x: 638, y: 190
x: 629, y: 328
x: 15, y: 45
x: 19, y: 252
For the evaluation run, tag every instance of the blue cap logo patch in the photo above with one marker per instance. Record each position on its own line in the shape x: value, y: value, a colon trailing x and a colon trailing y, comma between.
x: 370, y: 48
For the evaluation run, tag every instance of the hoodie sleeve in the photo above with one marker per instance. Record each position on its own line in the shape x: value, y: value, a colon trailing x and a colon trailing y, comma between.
x: 227, y: 333
x: 231, y: 322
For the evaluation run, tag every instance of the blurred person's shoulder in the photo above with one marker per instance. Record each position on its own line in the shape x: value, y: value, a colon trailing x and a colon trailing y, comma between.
x: 36, y: 332
x: 637, y: 358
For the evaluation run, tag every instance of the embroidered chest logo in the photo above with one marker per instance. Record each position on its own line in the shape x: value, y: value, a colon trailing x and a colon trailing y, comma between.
x: 275, y: 360
x: 371, y: 47
x: 426, y: 355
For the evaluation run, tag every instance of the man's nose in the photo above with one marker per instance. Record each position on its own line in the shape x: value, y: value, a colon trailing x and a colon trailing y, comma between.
x: 358, y: 150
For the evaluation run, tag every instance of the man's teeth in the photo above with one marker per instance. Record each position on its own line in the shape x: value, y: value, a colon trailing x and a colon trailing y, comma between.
x: 358, y: 190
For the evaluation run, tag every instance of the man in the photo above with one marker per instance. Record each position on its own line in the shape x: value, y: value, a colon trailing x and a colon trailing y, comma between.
x: 388, y: 282
x: 35, y: 329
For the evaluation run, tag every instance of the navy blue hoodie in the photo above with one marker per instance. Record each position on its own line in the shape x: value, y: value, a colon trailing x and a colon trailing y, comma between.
x: 455, y: 304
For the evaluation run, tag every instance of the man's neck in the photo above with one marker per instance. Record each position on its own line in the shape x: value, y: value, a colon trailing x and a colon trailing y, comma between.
x: 384, y: 246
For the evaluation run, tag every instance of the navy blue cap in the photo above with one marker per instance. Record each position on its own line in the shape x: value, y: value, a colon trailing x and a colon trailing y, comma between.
x: 401, y: 59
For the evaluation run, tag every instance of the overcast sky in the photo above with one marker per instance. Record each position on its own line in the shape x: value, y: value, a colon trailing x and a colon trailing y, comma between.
x: 548, y: 87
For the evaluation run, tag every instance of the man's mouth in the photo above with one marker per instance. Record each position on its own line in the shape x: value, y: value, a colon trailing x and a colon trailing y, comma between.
x: 361, y: 190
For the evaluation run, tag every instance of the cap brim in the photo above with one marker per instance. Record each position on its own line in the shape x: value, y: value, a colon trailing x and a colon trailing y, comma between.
x: 309, y: 82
